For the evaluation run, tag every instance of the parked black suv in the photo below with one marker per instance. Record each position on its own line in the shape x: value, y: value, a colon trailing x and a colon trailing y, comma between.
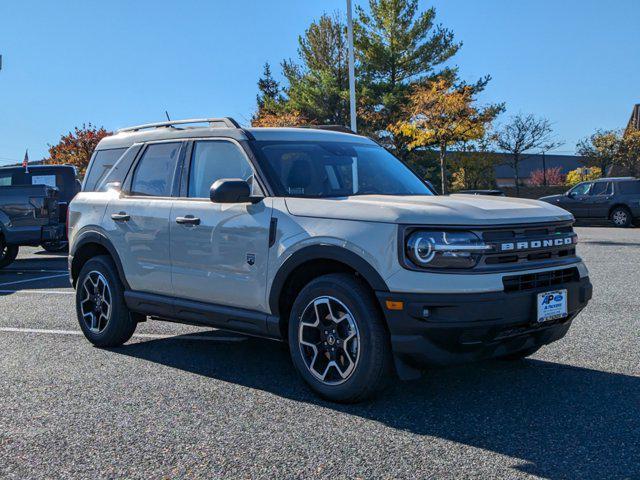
x: 616, y: 199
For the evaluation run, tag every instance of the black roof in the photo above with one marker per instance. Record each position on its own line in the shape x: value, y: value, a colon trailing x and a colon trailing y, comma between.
x: 614, y: 179
x: 36, y: 167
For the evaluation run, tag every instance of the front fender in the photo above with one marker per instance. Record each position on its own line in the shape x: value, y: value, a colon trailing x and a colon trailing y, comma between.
x: 322, y: 251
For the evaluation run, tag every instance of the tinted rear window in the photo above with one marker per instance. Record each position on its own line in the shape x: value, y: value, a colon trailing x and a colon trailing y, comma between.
x: 601, y: 188
x: 6, y: 180
x: 103, y: 161
x: 61, y: 178
x: 630, y: 187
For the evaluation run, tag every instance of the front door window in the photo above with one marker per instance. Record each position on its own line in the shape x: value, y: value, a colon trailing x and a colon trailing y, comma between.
x: 581, y: 189
x: 214, y: 160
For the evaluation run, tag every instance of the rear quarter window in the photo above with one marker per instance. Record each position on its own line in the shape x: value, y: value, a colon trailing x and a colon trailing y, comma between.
x: 103, y: 161
x: 631, y: 187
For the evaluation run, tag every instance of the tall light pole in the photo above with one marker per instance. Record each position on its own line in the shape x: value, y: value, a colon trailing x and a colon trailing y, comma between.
x: 352, y: 69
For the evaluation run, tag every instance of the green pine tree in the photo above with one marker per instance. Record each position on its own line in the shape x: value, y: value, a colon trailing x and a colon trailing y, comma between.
x: 319, y: 85
x: 269, y: 98
x: 397, y: 47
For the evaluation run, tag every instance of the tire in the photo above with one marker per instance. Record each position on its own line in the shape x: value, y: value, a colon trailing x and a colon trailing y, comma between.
x: 521, y: 355
x: 621, y: 217
x: 361, y: 349
x: 116, y: 323
x: 55, y: 247
x: 8, y: 253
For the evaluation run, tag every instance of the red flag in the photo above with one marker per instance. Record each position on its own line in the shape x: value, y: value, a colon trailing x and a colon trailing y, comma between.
x: 25, y: 162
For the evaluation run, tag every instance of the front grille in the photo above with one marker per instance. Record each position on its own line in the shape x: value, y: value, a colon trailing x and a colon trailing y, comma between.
x: 514, y: 234
x: 532, y: 281
x: 497, y: 236
x: 529, y: 257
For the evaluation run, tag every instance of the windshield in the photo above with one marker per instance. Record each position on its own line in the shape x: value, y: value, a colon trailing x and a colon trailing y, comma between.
x: 336, y: 169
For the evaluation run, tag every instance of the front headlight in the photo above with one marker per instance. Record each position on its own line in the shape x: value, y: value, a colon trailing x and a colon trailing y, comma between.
x: 452, y: 249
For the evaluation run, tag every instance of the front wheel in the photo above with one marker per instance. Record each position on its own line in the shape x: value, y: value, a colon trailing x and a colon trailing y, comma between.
x: 337, y: 339
x: 621, y: 217
x: 8, y: 253
x: 102, y: 312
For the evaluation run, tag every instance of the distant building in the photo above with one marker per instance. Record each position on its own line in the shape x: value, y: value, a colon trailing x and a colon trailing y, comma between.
x: 529, y: 163
x: 505, y: 175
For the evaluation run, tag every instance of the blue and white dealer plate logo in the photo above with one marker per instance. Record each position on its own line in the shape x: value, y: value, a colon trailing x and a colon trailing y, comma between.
x: 552, y: 305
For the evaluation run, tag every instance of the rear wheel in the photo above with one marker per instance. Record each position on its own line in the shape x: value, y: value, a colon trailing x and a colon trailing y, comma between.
x: 337, y: 339
x: 621, y: 217
x: 102, y: 312
x: 8, y: 253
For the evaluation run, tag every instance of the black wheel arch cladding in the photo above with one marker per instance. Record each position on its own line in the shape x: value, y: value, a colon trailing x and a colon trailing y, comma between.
x: 322, y: 252
x: 94, y: 237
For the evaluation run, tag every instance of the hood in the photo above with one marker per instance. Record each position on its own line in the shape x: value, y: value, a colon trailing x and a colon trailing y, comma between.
x: 551, y: 198
x: 425, y: 210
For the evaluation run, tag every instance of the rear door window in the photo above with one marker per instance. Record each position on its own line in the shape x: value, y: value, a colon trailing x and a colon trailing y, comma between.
x: 155, y: 172
x: 103, y: 161
x: 601, y: 188
x: 631, y: 187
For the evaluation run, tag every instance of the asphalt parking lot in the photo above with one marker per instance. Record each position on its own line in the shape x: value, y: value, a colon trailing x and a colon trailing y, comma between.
x: 182, y: 401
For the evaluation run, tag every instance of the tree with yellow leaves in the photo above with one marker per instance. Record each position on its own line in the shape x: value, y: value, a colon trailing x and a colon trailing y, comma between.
x: 440, y: 114
x: 582, y: 174
x: 629, y: 156
x: 473, y: 165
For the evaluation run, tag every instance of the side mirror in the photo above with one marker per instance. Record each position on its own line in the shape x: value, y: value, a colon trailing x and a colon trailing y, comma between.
x: 115, y: 186
x: 571, y: 194
x: 232, y: 190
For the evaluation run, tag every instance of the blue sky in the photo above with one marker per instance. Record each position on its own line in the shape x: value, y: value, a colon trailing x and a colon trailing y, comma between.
x: 116, y: 63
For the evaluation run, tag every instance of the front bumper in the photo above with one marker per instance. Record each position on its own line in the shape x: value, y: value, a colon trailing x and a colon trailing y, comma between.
x: 441, y: 329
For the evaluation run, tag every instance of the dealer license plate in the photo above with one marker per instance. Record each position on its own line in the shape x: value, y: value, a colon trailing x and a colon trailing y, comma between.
x: 552, y: 305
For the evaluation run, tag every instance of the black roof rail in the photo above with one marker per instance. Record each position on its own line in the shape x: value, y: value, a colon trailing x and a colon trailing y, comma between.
x: 333, y: 128
x: 223, y: 122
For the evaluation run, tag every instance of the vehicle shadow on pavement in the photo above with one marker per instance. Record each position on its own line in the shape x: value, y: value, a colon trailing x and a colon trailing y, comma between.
x: 561, y: 421
x: 34, y: 274
x: 50, y: 262
x: 44, y: 253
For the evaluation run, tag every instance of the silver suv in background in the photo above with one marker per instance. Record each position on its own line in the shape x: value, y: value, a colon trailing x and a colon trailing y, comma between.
x: 318, y: 238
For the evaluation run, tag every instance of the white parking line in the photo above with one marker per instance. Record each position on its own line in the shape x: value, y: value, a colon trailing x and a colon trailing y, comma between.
x: 46, y: 292
x: 34, y: 270
x: 199, y: 337
x: 32, y: 280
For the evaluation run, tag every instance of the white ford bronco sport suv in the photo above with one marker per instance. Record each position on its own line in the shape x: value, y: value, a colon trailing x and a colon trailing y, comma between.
x: 319, y: 238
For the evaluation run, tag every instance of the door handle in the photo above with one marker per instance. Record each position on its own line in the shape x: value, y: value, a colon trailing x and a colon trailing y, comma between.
x: 120, y: 217
x: 188, y: 220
